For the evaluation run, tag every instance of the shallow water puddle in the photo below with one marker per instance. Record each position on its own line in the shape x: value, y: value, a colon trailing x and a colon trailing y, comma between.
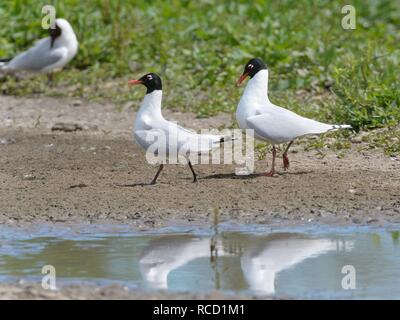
x: 292, y: 262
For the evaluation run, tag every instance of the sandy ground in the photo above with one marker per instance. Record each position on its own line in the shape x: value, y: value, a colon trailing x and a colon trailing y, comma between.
x: 81, y: 176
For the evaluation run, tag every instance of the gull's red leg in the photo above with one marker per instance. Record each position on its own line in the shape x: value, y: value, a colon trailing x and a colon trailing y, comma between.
x: 285, y: 157
x: 272, y: 172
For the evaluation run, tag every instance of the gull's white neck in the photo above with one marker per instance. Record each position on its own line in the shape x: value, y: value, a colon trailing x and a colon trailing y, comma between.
x: 254, y: 99
x: 67, y: 39
x: 257, y: 87
x: 151, y: 105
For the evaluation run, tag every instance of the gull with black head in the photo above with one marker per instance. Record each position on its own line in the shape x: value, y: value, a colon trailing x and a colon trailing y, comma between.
x: 150, y: 123
x: 270, y: 122
x: 48, y: 54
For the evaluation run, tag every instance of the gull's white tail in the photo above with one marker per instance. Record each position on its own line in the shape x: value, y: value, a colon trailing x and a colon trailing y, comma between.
x: 341, y: 126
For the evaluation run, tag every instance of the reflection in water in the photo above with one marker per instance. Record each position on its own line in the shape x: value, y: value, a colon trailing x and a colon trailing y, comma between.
x: 288, y: 264
x: 265, y: 258
x: 261, y: 259
x: 395, y: 237
x: 163, y: 255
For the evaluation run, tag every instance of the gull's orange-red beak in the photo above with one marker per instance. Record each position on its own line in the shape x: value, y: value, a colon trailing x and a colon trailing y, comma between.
x: 241, y: 79
x: 133, y: 82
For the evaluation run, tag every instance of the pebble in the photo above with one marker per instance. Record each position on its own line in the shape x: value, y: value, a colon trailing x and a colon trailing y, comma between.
x: 28, y: 177
x: 66, y: 127
x: 4, y: 141
x: 356, y: 140
x: 77, y: 103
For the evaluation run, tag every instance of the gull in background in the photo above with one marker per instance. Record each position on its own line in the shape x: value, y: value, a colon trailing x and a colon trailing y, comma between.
x: 272, y: 123
x: 150, y: 123
x: 47, y: 55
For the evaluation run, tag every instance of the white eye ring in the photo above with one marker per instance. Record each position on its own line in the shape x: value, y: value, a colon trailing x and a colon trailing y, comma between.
x: 149, y: 77
x: 250, y: 66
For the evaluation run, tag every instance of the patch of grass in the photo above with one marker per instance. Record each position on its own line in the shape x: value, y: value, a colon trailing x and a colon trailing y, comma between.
x: 387, y: 139
x: 317, y: 68
x: 368, y: 90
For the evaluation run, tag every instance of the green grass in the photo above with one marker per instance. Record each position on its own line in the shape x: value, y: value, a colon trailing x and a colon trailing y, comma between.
x: 199, y: 48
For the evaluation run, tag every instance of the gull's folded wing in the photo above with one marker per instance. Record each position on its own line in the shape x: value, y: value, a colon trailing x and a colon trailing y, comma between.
x: 280, y: 125
x: 38, y: 57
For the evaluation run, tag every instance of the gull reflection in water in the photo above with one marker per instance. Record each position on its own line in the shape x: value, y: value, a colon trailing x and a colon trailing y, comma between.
x: 169, y: 253
x: 260, y: 258
x: 264, y: 258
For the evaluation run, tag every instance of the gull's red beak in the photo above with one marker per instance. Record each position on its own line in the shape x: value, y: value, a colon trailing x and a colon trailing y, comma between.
x: 241, y: 79
x: 133, y: 82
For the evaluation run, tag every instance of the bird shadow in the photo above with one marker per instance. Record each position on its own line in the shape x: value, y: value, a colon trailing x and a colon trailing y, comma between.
x: 294, y: 173
x: 249, y: 176
x: 231, y: 176
x: 132, y: 185
x: 221, y: 176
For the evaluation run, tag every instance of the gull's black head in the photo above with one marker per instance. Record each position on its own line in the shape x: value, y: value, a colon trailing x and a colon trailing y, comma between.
x: 54, y: 34
x: 251, y: 68
x: 150, y: 80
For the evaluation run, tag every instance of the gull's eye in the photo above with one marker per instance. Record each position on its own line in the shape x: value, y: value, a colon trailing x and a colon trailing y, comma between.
x: 149, y: 77
x: 250, y: 66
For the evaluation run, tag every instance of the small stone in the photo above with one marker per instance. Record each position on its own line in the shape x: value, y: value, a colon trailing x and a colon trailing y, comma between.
x: 356, y: 140
x: 80, y: 185
x: 4, y: 141
x: 29, y: 177
x: 66, y: 127
x: 77, y: 103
